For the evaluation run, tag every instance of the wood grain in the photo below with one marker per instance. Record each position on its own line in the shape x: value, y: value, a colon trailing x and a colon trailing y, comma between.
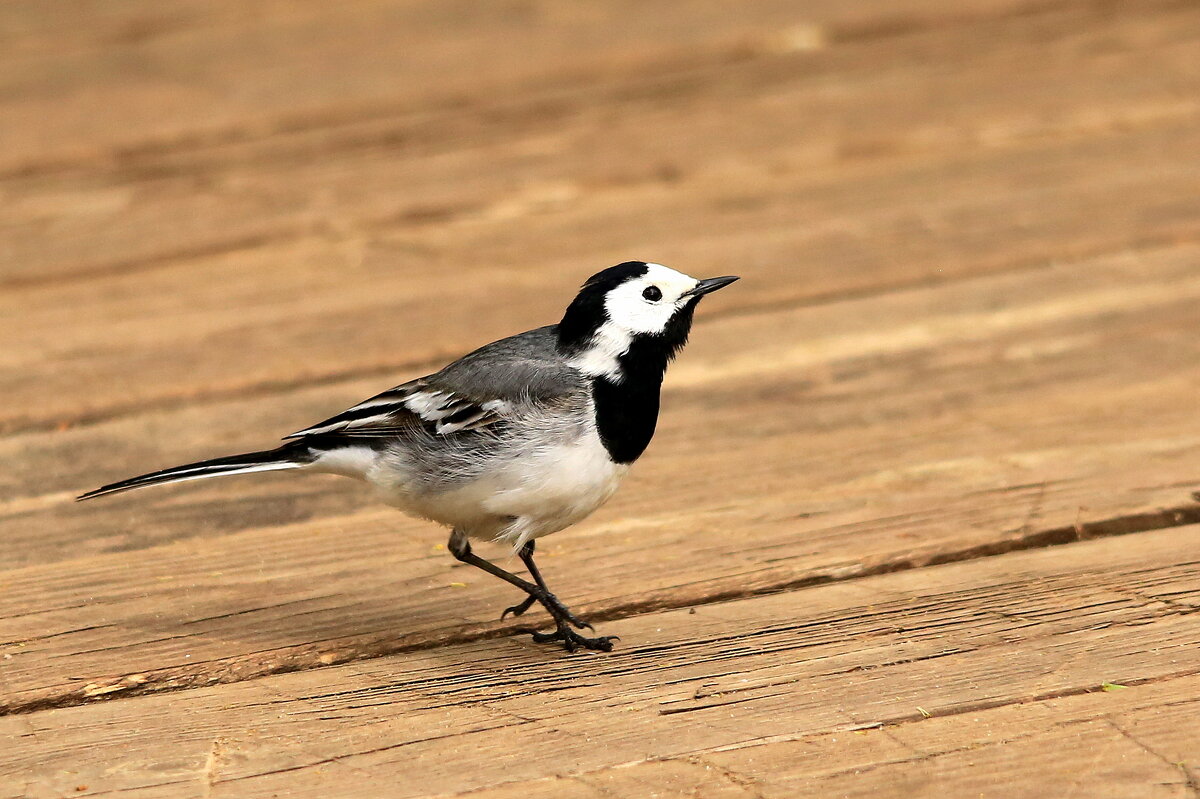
x: 947, y: 467
x: 1113, y: 743
x: 949, y: 642
x: 831, y: 212
x: 924, y: 479
x: 84, y: 82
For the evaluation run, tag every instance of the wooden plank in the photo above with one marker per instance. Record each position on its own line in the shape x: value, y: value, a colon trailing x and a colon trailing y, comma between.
x: 153, y: 343
x: 1004, y: 339
x: 1125, y: 742
x: 1118, y: 73
x: 945, y: 642
x: 81, y: 81
x: 947, y: 464
x: 235, y: 325
x: 927, y: 391
x: 854, y: 223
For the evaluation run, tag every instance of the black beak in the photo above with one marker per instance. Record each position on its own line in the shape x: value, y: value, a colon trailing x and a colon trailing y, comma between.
x: 711, y: 284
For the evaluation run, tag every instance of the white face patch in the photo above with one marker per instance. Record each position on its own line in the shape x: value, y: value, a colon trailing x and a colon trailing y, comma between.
x: 643, y: 305
x: 631, y: 311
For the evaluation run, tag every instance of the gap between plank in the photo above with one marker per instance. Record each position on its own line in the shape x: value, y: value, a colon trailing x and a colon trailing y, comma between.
x: 310, y: 655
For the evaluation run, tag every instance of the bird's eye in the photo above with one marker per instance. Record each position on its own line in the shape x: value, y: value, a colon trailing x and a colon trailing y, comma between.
x: 652, y: 293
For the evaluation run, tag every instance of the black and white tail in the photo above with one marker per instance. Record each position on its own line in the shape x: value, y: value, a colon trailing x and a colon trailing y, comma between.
x: 289, y: 456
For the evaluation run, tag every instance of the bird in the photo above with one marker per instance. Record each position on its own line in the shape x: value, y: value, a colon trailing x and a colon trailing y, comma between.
x: 516, y: 440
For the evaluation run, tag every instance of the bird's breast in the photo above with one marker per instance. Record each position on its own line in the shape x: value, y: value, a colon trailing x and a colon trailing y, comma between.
x: 558, y: 484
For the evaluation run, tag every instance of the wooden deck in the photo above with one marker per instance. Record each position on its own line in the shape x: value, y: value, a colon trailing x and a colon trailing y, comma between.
x: 918, y: 520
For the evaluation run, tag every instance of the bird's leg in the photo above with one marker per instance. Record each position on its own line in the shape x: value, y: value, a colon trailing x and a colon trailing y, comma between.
x: 460, y: 548
x: 547, y: 597
x: 562, y: 615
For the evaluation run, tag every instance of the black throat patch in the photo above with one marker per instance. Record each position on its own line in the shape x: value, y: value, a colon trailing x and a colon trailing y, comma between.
x: 626, y: 415
x: 627, y: 407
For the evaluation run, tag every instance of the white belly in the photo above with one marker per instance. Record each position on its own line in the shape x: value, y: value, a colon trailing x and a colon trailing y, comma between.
x: 536, y: 492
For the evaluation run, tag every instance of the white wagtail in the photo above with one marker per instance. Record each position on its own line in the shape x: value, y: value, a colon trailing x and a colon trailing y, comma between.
x: 521, y: 438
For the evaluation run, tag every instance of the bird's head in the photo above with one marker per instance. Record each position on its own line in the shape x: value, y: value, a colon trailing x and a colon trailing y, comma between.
x: 632, y: 314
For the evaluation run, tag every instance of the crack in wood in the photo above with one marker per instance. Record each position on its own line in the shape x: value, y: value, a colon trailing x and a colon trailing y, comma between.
x: 1189, y: 778
x: 21, y: 641
x: 672, y: 711
x: 339, y: 758
x: 133, y: 788
x: 742, y: 781
x: 922, y: 757
x: 258, y: 609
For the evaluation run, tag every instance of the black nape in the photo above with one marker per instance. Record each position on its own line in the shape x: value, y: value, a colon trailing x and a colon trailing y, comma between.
x: 586, y: 312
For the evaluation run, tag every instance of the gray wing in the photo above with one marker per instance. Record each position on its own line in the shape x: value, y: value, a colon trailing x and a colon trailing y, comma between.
x: 493, y: 383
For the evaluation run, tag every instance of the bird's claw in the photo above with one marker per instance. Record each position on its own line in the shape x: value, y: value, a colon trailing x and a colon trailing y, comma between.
x: 572, y: 640
x: 564, y: 620
x: 519, y: 608
x: 563, y: 633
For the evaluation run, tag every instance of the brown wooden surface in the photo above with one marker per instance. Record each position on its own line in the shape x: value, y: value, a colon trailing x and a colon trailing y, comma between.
x: 922, y: 485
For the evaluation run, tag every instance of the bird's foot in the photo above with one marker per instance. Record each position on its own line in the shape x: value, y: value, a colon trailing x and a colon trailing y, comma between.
x: 564, y: 619
x: 552, y: 603
x: 572, y: 640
